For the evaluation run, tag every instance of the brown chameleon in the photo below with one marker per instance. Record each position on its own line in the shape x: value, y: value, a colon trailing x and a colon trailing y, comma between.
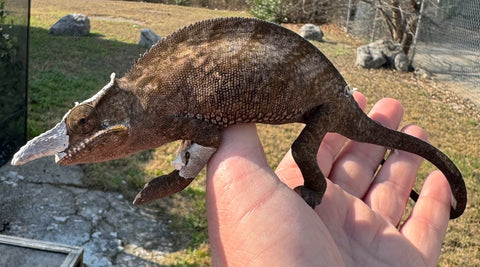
x: 213, y: 74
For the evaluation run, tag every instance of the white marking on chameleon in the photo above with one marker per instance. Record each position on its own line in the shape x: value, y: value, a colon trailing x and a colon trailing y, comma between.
x: 191, y: 160
x: 47, y: 144
x: 101, y: 92
x: 59, y: 156
x: 177, y: 163
x: 350, y: 91
x: 453, y: 202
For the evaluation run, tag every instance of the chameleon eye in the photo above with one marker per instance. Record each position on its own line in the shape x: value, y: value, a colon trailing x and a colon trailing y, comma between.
x: 82, y: 119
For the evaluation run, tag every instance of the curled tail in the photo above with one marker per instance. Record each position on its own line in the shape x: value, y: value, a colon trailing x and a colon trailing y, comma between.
x: 366, y: 130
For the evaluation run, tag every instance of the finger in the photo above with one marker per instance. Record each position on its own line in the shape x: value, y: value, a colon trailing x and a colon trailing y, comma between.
x: 245, y: 199
x: 357, y: 162
x: 287, y: 170
x: 427, y: 225
x: 241, y: 152
x: 389, y: 192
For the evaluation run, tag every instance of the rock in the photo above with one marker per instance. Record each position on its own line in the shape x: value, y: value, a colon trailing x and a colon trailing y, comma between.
x: 311, y: 32
x: 148, y: 38
x: 370, y: 58
x: 71, y: 24
x: 401, y: 62
x: 382, y: 53
x: 423, y: 73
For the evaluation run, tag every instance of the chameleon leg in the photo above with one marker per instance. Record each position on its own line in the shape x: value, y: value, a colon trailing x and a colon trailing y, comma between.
x: 304, y: 151
x: 162, y: 186
x: 190, y: 161
x: 192, y: 157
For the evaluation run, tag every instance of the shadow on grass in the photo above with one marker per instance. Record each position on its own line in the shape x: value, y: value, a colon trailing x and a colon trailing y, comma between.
x: 66, y: 69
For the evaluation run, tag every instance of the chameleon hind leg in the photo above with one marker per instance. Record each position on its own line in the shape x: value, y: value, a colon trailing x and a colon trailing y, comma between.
x: 304, y: 151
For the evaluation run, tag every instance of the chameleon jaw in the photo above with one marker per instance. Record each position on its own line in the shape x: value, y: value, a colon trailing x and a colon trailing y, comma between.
x: 70, y: 155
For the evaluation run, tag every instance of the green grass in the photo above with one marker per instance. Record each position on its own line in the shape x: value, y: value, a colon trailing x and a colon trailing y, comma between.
x: 65, y: 69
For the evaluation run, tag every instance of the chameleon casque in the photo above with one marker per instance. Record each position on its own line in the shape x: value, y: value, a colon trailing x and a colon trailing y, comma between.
x: 213, y: 74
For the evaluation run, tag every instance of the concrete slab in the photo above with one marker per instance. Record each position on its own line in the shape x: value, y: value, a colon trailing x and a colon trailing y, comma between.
x: 44, y: 201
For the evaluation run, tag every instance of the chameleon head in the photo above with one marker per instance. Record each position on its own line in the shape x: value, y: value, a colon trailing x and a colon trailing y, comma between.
x: 87, y: 133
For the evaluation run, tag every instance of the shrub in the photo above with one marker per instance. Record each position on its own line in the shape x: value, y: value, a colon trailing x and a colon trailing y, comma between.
x: 298, y: 11
x: 12, y: 84
x: 271, y: 10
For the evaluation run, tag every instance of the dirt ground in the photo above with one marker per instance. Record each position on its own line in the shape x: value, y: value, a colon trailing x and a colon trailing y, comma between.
x: 459, y: 68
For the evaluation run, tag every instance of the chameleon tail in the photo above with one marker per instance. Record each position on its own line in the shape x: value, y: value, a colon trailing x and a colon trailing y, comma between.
x: 368, y: 131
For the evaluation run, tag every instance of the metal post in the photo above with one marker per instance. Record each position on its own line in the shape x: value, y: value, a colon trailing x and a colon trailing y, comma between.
x: 348, y: 15
x: 417, y: 30
x: 372, y: 38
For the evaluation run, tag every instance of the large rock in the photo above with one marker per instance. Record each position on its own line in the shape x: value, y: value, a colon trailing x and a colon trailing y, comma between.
x: 311, y: 32
x: 370, y: 58
x: 148, y: 38
x: 382, y: 53
x: 72, y: 24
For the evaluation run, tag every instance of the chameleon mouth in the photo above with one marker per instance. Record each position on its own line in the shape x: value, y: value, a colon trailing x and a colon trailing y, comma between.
x: 74, y: 151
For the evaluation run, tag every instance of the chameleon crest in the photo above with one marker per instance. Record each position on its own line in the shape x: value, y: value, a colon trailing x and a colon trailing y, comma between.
x: 217, y: 73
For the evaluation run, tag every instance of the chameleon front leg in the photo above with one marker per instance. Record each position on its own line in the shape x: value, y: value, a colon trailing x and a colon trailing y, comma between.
x: 190, y: 161
x: 192, y: 157
x: 304, y: 151
x: 162, y: 186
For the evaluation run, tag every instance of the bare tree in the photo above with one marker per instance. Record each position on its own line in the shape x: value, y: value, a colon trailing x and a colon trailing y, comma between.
x: 401, y: 19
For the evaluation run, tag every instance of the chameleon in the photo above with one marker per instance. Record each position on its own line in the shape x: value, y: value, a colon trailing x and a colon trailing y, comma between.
x: 213, y: 74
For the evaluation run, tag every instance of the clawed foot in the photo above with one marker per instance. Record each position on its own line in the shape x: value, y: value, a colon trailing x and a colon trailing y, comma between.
x: 162, y: 186
x: 313, y: 198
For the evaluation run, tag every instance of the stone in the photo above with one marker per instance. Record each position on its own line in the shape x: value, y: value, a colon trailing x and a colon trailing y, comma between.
x: 382, y: 53
x: 370, y: 58
x: 148, y: 38
x: 71, y: 24
x: 401, y: 62
x: 311, y: 32
x: 422, y: 73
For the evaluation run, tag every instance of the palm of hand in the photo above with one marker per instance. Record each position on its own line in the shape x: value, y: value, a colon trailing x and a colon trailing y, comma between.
x: 255, y: 219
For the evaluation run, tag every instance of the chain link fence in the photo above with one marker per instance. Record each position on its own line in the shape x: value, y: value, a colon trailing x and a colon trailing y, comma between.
x: 447, y: 43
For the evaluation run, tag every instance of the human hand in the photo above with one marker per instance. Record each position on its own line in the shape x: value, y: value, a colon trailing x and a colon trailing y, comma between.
x: 255, y: 218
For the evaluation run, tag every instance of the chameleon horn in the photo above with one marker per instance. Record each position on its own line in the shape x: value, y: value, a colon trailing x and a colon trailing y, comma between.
x: 49, y: 143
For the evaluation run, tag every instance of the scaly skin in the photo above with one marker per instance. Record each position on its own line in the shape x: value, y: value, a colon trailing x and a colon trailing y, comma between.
x: 220, y: 72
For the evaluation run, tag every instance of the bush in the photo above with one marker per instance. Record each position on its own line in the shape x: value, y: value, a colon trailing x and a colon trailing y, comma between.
x: 270, y: 10
x: 298, y: 11
x: 12, y: 87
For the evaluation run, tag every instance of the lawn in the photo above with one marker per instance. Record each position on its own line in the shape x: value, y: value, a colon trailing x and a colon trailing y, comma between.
x: 64, y: 70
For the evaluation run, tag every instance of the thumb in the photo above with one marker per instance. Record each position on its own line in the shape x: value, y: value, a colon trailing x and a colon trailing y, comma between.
x: 238, y: 181
x: 253, y: 218
x: 238, y: 176
x: 233, y: 171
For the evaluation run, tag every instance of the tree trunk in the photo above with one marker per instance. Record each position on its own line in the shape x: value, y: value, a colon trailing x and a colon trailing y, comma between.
x: 401, y: 18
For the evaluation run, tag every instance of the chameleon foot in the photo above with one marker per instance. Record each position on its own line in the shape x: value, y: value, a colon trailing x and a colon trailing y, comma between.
x: 162, y: 186
x: 313, y: 198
